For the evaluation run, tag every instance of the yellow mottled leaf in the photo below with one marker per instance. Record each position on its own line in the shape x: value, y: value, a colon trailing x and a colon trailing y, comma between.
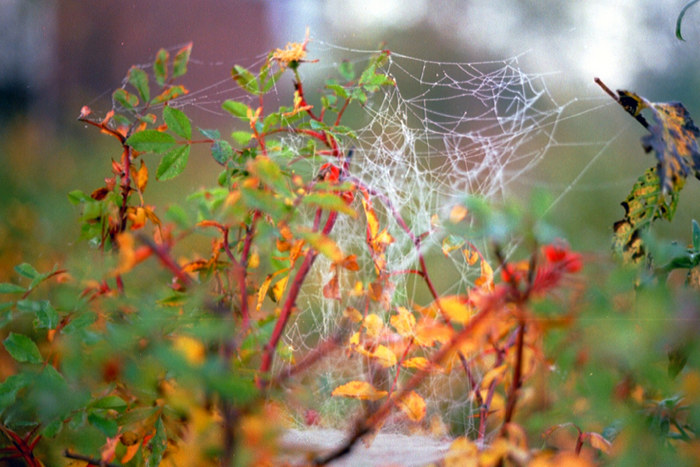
x: 359, y: 390
x: 413, y: 406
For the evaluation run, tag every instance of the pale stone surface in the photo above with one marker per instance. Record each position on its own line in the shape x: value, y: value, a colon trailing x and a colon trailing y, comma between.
x: 387, y: 449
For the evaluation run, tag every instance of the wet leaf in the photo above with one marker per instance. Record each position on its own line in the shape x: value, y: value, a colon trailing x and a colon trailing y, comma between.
x: 329, y: 201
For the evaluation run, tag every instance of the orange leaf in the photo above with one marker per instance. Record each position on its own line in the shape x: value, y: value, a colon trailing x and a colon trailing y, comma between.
x: 428, y: 332
x: 485, y: 281
x: 372, y: 221
x: 359, y: 390
x: 331, y: 290
x: 597, y: 441
x: 141, y: 176
x: 412, y: 405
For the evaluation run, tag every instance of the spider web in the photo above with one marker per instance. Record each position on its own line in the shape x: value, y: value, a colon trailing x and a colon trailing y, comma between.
x: 446, y: 130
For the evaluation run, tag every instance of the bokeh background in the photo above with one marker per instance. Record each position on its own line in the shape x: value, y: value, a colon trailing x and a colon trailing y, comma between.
x: 57, y: 56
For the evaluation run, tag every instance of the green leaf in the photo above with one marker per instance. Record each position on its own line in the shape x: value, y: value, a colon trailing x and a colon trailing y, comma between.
x: 268, y: 83
x: 221, y: 151
x: 237, y: 109
x: 27, y: 270
x: 211, y: 134
x: 271, y: 120
x: 52, y: 429
x: 46, y: 316
x: 696, y: 236
x: 329, y: 201
x: 160, y: 66
x: 6, y: 287
x: 173, y: 163
x: 245, y: 79
x: 182, y: 58
x: 347, y: 70
x: 139, y: 80
x: 125, y: 98
x: 22, y: 348
x: 338, y: 90
x: 109, y: 402
x: 178, y: 122
x: 10, y: 387
x: 157, y: 445
x: 151, y: 141
x: 242, y: 137
x: 77, y: 197
x: 107, y: 426
x: 680, y: 18
x: 359, y: 95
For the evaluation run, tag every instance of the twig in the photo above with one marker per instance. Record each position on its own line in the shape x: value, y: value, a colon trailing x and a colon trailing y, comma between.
x: 90, y: 460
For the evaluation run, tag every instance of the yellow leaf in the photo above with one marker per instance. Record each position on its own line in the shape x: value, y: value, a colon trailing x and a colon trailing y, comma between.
x: 463, y: 453
x: 493, y: 374
x: 403, y: 321
x: 359, y: 390
x: 352, y: 313
x: 324, y: 245
x: 412, y: 405
x: 421, y: 363
x: 190, y: 348
x: 373, y: 325
x: 254, y: 260
x: 455, y: 307
x: 381, y: 354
